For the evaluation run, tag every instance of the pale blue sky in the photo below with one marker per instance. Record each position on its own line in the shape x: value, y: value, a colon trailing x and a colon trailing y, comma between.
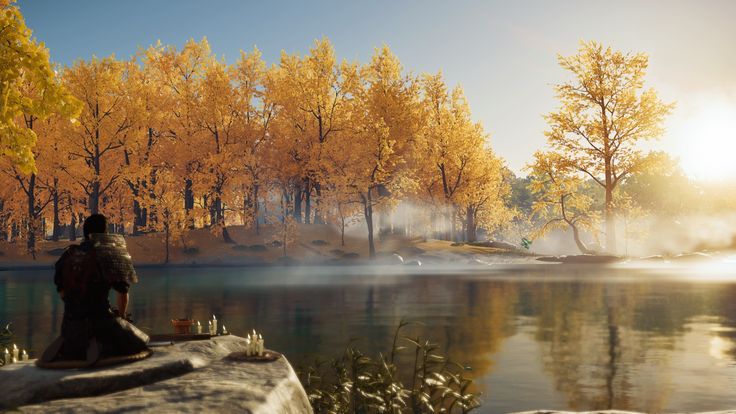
x: 503, y: 53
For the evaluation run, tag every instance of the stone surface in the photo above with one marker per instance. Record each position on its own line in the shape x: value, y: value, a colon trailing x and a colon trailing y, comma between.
x: 187, y: 377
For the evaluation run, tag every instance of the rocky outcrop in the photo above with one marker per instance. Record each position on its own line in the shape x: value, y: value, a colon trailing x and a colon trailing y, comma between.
x: 185, y: 377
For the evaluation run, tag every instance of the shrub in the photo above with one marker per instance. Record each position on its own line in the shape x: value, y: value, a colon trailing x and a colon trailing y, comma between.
x: 319, y: 243
x: 356, y: 382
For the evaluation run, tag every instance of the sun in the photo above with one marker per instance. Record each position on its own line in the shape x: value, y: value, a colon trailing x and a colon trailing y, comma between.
x: 708, y: 142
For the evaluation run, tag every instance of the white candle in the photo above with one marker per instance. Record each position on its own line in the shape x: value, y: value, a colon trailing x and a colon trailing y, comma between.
x: 199, y: 327
x: 15, y: 352
x: 224, y: 329
x: 6, y: 357
x: 214, y: 325
x: 247, y: 346
x: 24, y: 355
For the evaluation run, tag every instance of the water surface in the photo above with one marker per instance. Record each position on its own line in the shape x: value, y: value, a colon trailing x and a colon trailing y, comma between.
x: 556, y: 338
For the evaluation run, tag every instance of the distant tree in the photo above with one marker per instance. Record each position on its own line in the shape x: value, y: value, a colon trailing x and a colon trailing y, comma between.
x: 603, y: 115
x: 386, y: 122
x: 559, y: 201
x: 484, y: 201
x: 165, y: 201
x: 315, y: 94
x: 98, y: 139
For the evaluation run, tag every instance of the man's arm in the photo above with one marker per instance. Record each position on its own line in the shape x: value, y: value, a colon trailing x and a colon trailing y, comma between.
x: 122, y: 304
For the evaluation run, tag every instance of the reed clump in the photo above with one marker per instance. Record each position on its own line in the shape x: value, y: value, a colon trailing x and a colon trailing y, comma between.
x: 413, y: 377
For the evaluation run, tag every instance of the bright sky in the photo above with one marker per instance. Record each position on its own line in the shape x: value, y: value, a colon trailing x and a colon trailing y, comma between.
x: 502, y: 52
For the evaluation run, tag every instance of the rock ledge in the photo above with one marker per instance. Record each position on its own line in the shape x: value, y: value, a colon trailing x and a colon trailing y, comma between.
x: 186, y: 377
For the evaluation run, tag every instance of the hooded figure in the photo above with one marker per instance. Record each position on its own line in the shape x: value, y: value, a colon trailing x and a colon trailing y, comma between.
x: 84, y: 275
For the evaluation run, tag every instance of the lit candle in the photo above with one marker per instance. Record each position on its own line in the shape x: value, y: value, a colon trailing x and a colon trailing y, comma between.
x: 260, y: 345
x: 209, y: 327
x: 24, y: 355
x: 214, y: 325
x: 247, y: 346
x: 224, y: 329
x: 6, y: 357
x: 15, y: 352
x: 199, y: 327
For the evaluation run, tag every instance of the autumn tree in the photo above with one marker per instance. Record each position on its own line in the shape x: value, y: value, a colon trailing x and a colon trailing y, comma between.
x: 179, y: 75
x: 383, y: 137
x: 452, y: 146
x: 484, y: 201
x: 165, y: 201
x: 45, y: 154
x: 315, y: 93
x: 604, y: 113
x: 29, y: 89
x: 254, y: 87
x: 29, y: 93
x: 98, y: 138
x: 559, y: 201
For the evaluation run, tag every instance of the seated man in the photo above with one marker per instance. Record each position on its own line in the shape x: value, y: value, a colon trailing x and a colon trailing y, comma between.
x: 90, y: 330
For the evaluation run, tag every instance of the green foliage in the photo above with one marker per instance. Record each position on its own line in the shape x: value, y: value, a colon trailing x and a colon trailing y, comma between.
x: 358, y: 383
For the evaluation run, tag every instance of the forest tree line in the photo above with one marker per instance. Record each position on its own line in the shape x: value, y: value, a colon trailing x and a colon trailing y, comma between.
x: 176, y: 139
x: 171, y: 140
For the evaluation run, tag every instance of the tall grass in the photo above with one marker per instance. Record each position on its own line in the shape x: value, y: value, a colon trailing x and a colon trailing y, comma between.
x: 424, y: 381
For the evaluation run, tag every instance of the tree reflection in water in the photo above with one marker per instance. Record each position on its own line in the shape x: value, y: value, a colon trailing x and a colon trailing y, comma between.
x: 600, y: 340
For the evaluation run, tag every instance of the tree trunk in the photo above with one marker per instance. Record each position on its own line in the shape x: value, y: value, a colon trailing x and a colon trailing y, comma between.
x: 342, y: 231
x: 298, y: 204
x: 167, y: 237
x: 73, y: 228
x: 610, y: 223
x: 368, y: 213
x: 255, y: 209
x: 581, y: 246
x: 137, y: 219
x: 189, y: 202
x: 31, y: 237
x: 307, y: 202
x: 318, y: 193
x: 93, y: 203
x: 56, y: 230
x: 609, y: 213
x: 470, y: 226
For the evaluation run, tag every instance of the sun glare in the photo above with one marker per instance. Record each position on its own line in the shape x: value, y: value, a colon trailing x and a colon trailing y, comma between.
x: 708, y: 147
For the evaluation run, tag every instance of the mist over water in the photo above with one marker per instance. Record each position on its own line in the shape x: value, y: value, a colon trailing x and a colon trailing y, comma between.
x: 552, y: 337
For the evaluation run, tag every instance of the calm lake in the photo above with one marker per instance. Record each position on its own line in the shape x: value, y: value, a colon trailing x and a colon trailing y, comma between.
x: 551, y: 337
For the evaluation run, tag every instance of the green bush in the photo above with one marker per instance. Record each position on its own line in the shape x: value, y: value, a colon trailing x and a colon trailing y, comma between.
x: 358, y: 383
